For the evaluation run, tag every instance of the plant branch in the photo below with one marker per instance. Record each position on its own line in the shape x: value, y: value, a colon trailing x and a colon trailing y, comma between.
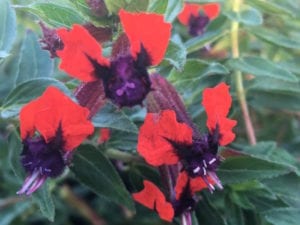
x: 236, y: 4
x: 83, y: 208
x: 123, y: 156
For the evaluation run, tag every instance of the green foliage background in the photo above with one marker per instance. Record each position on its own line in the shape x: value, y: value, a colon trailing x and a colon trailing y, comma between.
x: 261, y: 186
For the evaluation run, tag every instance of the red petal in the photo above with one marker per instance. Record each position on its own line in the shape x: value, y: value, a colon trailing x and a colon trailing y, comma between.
x: 212, y: 10
x: 153, y: 135
x: 51, y: 111
x: 78, y: 44
x: 104, y: 135
x: 217, y: 102
x: 148, y: 29
x: 153, y: 198
x: 196, y: 184
x: 188, y: 10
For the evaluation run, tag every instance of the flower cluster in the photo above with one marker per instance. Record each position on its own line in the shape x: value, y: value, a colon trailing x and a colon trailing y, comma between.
x: 165, y: 141
x: 53, y: 125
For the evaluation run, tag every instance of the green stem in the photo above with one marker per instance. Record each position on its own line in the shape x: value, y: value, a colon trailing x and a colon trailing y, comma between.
x: 123, y: 156
x: 236, y: 4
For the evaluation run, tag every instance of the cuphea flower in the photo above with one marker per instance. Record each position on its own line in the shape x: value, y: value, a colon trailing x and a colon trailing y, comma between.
x: 124, y: 75
x: 51, y: 127
x: 164, y: 139
x: 153, y: 198
x: 197, y: 16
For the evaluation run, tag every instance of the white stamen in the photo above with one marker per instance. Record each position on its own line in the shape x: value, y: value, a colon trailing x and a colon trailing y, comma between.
x: 28, y: 182
x: 196, y: 170
x: 204, y: 171
x: 212, y: 161
x: 204, y: 163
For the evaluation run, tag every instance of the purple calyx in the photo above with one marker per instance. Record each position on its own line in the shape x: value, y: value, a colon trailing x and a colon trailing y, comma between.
x: 41, y: 160
x: 126, y: 82
x: 197, y: 24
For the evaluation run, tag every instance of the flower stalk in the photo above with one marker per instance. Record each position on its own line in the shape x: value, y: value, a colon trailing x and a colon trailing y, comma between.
x: 236, y: 5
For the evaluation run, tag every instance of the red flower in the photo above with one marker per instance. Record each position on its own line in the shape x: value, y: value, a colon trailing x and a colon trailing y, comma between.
x: 51, y: 127
x: 217, y: 102
x: 164, y: 141
x: 124, y: 76
x: 153, y: 138
x: 196, y: 16
x: 104, y: 135
x: 211, y: 10
x: 153, y: 198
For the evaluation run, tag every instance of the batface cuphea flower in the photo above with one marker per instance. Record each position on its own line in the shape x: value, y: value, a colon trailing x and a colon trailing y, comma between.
x: 165, y: 141
x: 197, y: 16
x: 51, y: 127
x: 124, y: 75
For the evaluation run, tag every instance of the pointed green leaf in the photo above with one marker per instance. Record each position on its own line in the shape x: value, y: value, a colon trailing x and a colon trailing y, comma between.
x: 55, y: 14
x: 112, y: 117
x: 245, y: 168
x: 261, y: 67
x: 173, y: 9
x: 276, y: 38
x: 8, y: 27
x: 95, y: 171
x: 283, y: 216
x: 33, y: 61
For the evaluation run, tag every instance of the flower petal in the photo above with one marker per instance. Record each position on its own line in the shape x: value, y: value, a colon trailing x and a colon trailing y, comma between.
x: 153, y: 198
x: 217, y: 102
x: 78, y: 46
x: 187, y: 12
x: 154, y: 134
x: 54, y: 110
x: 196, y: 184
x: 148, y: 29
x: 212, y: 10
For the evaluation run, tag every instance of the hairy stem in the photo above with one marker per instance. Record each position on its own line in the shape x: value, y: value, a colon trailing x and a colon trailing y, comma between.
x: 123, y: 156
x: 236, y: 4
x: 82, y: 207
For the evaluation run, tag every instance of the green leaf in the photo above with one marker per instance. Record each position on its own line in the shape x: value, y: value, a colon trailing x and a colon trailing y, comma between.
x: 42, y: 197
x: 268, y: 150
x: 55, y: 14
x: 261, y: 67
x: 283, y: 216
x: 207, y: 213
x: 262, y: 99
x: 196, y: 43
x: 8, y: 27
x: 114, y: 6
x: 194, y: 70
x: 274, y: 85
x: 33, y: 61
x: 276, y: 38
x: 112, y: 117
x: 245, y: 168
x: 158, y: 6
x: 285, y: 185
x: 176, y: 54
x: 26, y: 92
x: 269, y: 6
x: 173, y: 9
x: 248, y: 16
x: 94, y: 170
